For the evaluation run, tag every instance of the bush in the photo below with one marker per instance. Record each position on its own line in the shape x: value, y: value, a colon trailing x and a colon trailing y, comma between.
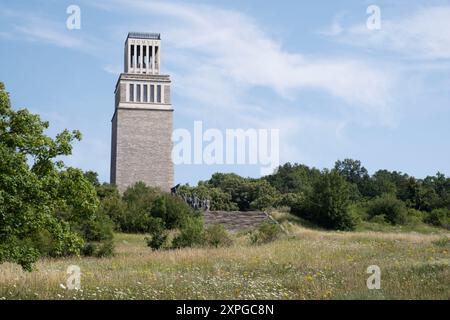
x: 139, y: 204
x: 138, y: 201
x: 44, y: 242
x: 380, y: 219
x: 327, y: 204
x: 99, y: 228
x: 158, y: 234
x: 414, y: 217
x: 157, y: 240
x: 439, y: 218
x: 98, y: 249
x: 219, y: 200
x: 191, y: 233
x: 115, y: 209
x: 246, y: 193
x: 171, y: 210
x: 388, y: 205
x: 266, y: 232
x: 105, y: 249
x: 217, y: 236
x: 292, y: 200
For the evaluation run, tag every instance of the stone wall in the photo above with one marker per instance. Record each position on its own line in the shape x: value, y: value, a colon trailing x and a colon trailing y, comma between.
x: 143, y: 148
x: 236, y: 220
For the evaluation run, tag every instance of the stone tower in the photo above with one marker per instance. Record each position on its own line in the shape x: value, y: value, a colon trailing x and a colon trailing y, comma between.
x: 141, y: 143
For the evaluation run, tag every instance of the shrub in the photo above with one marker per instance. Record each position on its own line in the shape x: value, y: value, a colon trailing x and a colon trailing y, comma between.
x: 292, y: 199
x: 99, y: 228
x: 105, y: 249
x: 327, y: 204
x: 140, y: 204
x: 44, y: 242
x: 380, y: 219
x: 439, y: 217
x: 266, y: 232
x: 246, y: 193
x: 158, y: 234
x: 138, y: 200
x: 157, y: 240
x: 217, y: 236
x: 171, y: 210
x: 219, y: 200
x: 107, y: 190
x: 414, y: 217
x: 98, y: 249
x: 388, y: 205
x: 191, y: 233
x: 115, y: 209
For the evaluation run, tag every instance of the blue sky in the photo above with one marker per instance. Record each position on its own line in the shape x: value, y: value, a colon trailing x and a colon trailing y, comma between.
x: 334, y: 88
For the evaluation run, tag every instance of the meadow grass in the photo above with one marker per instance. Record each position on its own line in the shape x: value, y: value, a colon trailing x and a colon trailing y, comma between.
x: 305, y: 264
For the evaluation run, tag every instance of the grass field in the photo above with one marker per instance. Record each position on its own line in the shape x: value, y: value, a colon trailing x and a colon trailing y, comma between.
x: 306, y: 264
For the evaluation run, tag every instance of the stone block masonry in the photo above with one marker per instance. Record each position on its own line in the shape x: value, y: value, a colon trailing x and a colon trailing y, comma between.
x: 142, y: 123
x: 143, y: 152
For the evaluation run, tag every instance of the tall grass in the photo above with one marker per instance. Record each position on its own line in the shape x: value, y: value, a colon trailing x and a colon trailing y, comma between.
x: 306, y: 264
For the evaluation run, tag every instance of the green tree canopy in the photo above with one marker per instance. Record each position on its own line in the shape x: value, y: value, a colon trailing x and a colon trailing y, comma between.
x: 40, y: 198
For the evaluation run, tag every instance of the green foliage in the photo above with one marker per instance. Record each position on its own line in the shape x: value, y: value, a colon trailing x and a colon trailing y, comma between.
x: 158, y: 234
x: 98, y: 249
x: 43, y: 205
x: 219, y: 199
x: 414, y: 217
x: 115, y: 209
x: 293, y: 178
x: 132, y: 212
x: 157, y: 240
x: 380, y: 219
x: 191, y: 233
x: 92, y: 177
x: 388, y: 205
x: 107, y: 190
x: 439, y: 218
x: 217, y: 236
x: 292, y: 199
x: 246, y: 193
x: 327, y: 204
x: 172, y: 210
x: 266, y: 232
x: 351, y: 170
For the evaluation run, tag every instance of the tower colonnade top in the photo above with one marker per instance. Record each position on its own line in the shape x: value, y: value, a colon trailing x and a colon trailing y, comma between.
x: 142, y: 53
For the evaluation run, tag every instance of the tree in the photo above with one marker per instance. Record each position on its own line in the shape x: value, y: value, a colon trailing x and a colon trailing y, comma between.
x: 351, y: 170
x: 327, y: 204
x: 387, y: 205
x: 92, y: 177
x: 246, y: 193
x: 293, y: 178
x: 43, y: 204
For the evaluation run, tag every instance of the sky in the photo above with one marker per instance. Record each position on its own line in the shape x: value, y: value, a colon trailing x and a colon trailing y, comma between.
x: 334, y: 87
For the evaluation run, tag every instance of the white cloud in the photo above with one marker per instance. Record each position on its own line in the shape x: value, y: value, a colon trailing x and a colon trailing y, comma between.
x: 235, y: 47
x: 422, y: 34
x: 36, y: 28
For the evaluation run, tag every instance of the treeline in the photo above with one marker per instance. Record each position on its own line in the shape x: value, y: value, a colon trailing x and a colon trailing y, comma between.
x: 337, y: 198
